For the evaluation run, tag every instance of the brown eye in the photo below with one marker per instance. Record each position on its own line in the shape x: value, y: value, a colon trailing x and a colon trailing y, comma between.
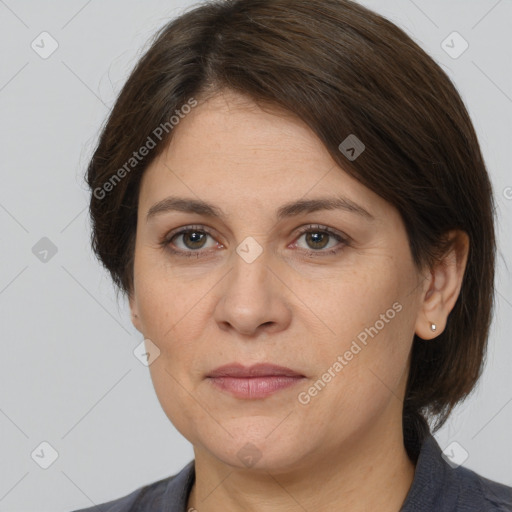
x: 193, y: 239
x: 317, y: 239
x: 189, y: 241
x: 321, y: 239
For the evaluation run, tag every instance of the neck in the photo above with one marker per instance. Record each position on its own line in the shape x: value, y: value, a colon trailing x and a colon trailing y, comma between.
x: 370, y: 471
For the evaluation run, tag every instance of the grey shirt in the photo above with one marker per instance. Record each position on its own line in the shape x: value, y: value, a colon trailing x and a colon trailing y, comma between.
x: 436, y: 487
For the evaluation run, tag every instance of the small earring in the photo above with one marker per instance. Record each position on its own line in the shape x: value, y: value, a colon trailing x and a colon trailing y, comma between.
x: 433, y: 327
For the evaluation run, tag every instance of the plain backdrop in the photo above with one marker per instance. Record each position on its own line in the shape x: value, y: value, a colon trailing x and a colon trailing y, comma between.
x: 69, y: 378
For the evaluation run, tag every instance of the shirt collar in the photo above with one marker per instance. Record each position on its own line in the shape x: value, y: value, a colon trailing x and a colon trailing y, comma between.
x: 178, y: 489
x: 434, y: 486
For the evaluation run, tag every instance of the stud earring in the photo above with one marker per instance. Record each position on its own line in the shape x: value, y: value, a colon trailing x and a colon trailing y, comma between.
x: 433, y: 327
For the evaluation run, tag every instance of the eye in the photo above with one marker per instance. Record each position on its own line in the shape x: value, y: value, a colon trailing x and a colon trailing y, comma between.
x: 192, y: 241
x: 189, y: 241
x: 321, y: 239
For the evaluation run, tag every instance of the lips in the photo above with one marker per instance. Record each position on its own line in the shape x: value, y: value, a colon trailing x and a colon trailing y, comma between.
x: 253, y: 382
x: 257, y: 370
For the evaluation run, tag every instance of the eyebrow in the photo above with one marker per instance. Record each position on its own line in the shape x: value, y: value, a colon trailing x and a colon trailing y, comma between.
x: 291, y: 209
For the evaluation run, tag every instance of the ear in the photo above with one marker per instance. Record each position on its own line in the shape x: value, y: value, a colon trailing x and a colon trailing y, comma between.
x: 134, y: 310
x: 441, y: 289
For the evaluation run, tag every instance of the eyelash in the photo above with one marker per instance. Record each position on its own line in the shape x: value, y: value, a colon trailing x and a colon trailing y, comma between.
x: 316, y: 228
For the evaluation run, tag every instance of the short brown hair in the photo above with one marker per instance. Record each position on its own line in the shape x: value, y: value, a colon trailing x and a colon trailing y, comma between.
x: 343, y: 70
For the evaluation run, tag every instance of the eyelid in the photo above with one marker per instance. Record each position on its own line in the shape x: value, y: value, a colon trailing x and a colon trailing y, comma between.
x: 184, y: 229
x: 327, y: 229
x: 165, y: 241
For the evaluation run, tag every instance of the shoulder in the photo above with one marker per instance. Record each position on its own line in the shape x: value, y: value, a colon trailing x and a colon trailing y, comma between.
x: 129, y: 502
x: 441, y: 485
x: 476, y: 490
x: 159, y: 495
x: 124, y: 504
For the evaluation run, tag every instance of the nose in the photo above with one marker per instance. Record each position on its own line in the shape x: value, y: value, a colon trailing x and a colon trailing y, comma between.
x: 252, y: 299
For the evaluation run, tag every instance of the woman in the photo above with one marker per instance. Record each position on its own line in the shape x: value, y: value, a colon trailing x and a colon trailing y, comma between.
x: 292, y: 197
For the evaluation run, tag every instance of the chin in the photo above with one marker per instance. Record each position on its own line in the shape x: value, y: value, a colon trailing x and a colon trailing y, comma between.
x: 258, y: 445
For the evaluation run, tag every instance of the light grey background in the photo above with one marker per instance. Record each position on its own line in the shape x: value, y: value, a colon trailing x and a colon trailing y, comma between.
x: 69, y: 376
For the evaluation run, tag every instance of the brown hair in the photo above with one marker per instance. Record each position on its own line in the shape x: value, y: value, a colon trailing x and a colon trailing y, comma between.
x: 343, y: 70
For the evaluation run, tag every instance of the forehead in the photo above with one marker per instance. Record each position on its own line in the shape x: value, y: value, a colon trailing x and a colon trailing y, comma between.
x: 228, y: 149
x: 231, y: 126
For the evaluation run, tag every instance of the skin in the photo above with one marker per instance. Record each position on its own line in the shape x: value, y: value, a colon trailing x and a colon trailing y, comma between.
x: 295, y: 305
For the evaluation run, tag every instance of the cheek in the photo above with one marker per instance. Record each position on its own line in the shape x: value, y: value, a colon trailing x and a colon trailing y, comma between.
x: 167, y: 301
x: 368, y: 378
x: 171, y: 321
x: 171, y: 391
x: 370, y: 319
x: 174, y: 313
x: 354, y: 300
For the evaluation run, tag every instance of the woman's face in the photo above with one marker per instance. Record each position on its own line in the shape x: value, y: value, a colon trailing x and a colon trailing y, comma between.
x: 336, y: 304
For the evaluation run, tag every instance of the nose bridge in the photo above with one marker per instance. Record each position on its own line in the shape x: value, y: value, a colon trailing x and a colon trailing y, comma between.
x: 252, y: 295
x: 250, y: 280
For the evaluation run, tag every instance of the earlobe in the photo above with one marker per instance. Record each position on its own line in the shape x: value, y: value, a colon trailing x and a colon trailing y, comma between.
x: 134, y: 310
x: 443, y: 288
x: 430, y: 318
